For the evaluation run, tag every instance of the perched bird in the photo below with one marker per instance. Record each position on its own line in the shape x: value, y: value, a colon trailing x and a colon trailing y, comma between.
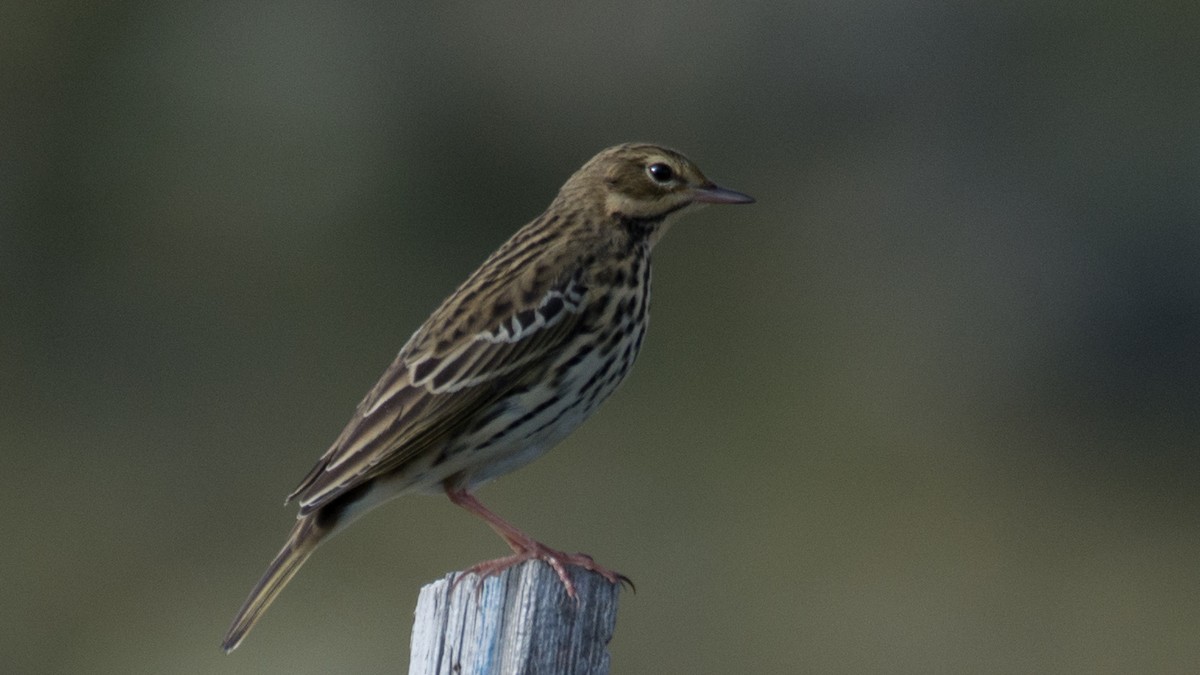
x: 512, y: 362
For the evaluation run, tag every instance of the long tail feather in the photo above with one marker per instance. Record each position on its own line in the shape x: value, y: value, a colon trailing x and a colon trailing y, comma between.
x: 302, y: 541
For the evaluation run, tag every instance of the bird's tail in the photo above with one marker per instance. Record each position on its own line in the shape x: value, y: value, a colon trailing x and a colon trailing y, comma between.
x: 302, y: 541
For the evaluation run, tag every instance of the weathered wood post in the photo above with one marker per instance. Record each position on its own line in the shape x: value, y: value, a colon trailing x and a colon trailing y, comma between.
x: 519, y: 621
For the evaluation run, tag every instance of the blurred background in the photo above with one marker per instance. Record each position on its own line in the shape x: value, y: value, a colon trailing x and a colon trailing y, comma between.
x: 932, y: 405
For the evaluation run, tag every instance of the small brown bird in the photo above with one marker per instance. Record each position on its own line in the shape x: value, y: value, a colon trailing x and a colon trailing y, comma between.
x: 513, y: 361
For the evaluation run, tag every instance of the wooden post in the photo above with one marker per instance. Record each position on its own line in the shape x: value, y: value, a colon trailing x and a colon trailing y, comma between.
x: 519, y: 621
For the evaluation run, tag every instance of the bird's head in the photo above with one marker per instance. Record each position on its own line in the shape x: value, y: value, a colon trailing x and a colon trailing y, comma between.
x: 644, y: 182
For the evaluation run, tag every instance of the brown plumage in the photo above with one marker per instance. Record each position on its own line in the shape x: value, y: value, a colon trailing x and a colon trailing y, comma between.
x: 514, y: 360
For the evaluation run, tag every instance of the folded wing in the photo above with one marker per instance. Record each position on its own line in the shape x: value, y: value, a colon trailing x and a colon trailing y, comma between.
x: 455, y: 367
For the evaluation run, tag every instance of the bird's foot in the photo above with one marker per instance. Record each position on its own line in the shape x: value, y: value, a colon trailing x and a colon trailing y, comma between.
x: 557, y: 560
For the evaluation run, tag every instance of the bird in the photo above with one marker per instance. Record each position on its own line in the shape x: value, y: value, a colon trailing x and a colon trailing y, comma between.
x: 507, y: 366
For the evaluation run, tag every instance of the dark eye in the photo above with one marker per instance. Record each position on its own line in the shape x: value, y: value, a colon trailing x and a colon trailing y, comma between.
x: 661, y: 173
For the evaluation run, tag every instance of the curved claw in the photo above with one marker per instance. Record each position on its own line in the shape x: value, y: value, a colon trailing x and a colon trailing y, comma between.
x: 557, y: 560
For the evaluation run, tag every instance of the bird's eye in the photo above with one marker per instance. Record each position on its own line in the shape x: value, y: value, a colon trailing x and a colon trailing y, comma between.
x: 661, y: 173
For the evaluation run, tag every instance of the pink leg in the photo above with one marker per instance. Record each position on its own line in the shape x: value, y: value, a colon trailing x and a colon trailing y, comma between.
x: 526, y: 547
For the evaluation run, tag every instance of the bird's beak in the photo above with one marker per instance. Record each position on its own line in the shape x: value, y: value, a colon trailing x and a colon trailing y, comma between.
x: 711, y: 193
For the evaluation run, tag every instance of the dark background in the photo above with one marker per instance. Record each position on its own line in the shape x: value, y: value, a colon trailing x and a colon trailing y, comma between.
x: 932, y: 405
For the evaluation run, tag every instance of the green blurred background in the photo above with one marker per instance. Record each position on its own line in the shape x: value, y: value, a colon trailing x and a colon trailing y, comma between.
x: 931, y: 406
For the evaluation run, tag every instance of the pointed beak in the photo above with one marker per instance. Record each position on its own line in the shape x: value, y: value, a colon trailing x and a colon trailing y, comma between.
x: 711, y: 193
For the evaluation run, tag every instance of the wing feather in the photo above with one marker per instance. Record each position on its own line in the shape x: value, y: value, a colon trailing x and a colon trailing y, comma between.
x: 427, y: 395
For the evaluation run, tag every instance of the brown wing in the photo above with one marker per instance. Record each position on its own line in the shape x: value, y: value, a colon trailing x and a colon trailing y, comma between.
x: 449, y: 372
